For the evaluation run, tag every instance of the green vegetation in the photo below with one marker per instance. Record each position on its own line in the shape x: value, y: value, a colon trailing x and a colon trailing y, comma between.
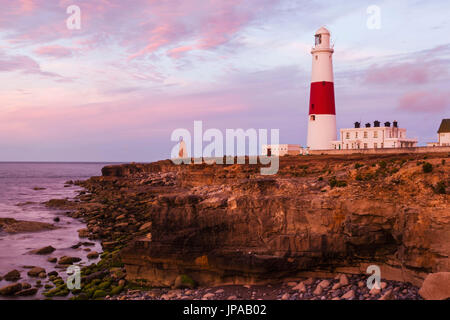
x: 358, y: 165
x: 427, y: 167
x: 334, y: 183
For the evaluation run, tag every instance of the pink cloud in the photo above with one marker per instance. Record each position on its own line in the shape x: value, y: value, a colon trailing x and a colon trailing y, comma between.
x: 418, y: 72
x: 424, y: 101
x: 25, y: 64
x: 54, y: 51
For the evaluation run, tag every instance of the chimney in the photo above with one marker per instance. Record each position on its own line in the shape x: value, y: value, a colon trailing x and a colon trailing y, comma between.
x: 387, y: 124
x: 376, y: 123
x: 357, y: 125
x: 395, y: 124
x: 367, y: 125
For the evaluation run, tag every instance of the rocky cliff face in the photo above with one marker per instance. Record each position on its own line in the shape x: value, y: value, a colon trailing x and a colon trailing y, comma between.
x: 319, y: 214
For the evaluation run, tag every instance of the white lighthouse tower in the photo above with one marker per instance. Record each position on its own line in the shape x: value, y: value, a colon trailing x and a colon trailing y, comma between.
x: 322, y: 112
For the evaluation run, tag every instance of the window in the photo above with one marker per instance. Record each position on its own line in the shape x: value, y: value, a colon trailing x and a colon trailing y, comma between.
x: 365, y: 145
x: 317, y: 57
x: 375, y: 145
x: 382, y: 145
x: 356, y: 134
x: 375, y: 134
x: 365, y: 134
x: 347, y: 136
x: 318, y: 39
x: 347, y: 146
x: 313, y: 118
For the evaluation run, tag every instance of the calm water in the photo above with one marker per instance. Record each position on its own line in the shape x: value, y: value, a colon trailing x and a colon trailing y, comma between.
x: 17, y: 181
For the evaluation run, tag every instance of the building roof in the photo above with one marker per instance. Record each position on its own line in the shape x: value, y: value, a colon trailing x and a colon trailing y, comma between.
x: 445, y: 126
x: 323, y: 30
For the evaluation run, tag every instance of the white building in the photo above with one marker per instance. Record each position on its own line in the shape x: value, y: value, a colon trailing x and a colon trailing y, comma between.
x: 376, y: 137
x: 443, y: 135
x: 281, y: 149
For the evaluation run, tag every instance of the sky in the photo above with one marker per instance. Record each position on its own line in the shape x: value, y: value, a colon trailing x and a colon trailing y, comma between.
x: 116, y: 88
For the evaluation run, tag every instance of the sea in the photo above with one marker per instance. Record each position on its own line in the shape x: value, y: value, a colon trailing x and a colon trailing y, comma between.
x: 24, y: 186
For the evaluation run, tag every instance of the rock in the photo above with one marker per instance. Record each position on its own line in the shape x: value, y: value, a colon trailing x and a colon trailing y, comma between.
x: 383, y: 285
x: 184, y: 281
x: 26, y: 285
x: 291, y: 284
x: 36, y: 271
x: 27, y: 292
x: 232, y: 298
x: 56, y: 219
x: 336, y: 286
x: 285, y: 296
x: 349, y: 295
x: 436, y: 286
x: 44, y: 250
x: 11, y: 289
x: 146, y: 226
x: 52, y: 259
x: 208, y: 296
x: 318, y: 291
x: 68, y: 260
x: 13, y: 275
x: 374, y: 291
x: 387, y: 295
x: 308, y: 281
x: 83, y: 233
x: 219, y: 291
x: 92, y: 255
x: 10, y: 225
x: 324, y: 284
x: 361, y: 284
x: 42, y: 275
x: 53, y: 274
x: 343, y: 280
x: 300, y: 287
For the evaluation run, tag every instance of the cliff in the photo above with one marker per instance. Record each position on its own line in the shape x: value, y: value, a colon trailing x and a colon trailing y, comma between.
x: 223, y: 224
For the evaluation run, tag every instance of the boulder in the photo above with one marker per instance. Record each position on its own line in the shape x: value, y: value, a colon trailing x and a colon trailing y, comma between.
x: 27, y: 292
x: 92, y: 255
x: 436, y: 286
x: 36, y: 272
x: 44, y: 250
x: 13, y: 275
x: 11, y: 289
x: 68, y: 260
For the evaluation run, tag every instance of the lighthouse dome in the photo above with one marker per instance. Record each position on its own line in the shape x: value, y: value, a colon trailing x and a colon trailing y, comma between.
x: 322, y: 30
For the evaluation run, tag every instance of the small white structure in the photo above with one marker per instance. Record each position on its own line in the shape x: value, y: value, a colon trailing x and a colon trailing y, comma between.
x: 281, y: 149
x: 443, y: 135
x: 376, y: 137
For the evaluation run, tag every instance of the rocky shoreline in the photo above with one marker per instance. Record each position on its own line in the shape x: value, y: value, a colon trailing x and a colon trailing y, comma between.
x: 225, y: 232
x: 342, y: 287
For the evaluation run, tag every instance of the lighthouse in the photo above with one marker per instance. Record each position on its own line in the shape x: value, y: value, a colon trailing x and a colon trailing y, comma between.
x: 322, y: 112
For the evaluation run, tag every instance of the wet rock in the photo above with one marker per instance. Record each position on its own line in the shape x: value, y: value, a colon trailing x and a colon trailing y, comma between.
x: 52, y: 259
x: 11, y: 289
x: 27, y: 292
x: 92, y: 255
x: 13, y: 275
x: 10, y: 225
x: 83, y: 233
x: 68, y: 260
x: 36, y: 272
x: 44, y: 250
x: 300, y: 287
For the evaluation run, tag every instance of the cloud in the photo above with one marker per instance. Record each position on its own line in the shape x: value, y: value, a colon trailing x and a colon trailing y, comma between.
x: 55, y: 51
x: 24, y: 64
x: 411, y: 73
x: 424, y: 101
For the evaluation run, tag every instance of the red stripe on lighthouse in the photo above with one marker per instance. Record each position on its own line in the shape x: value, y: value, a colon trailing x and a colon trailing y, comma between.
x: 322, y: 98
